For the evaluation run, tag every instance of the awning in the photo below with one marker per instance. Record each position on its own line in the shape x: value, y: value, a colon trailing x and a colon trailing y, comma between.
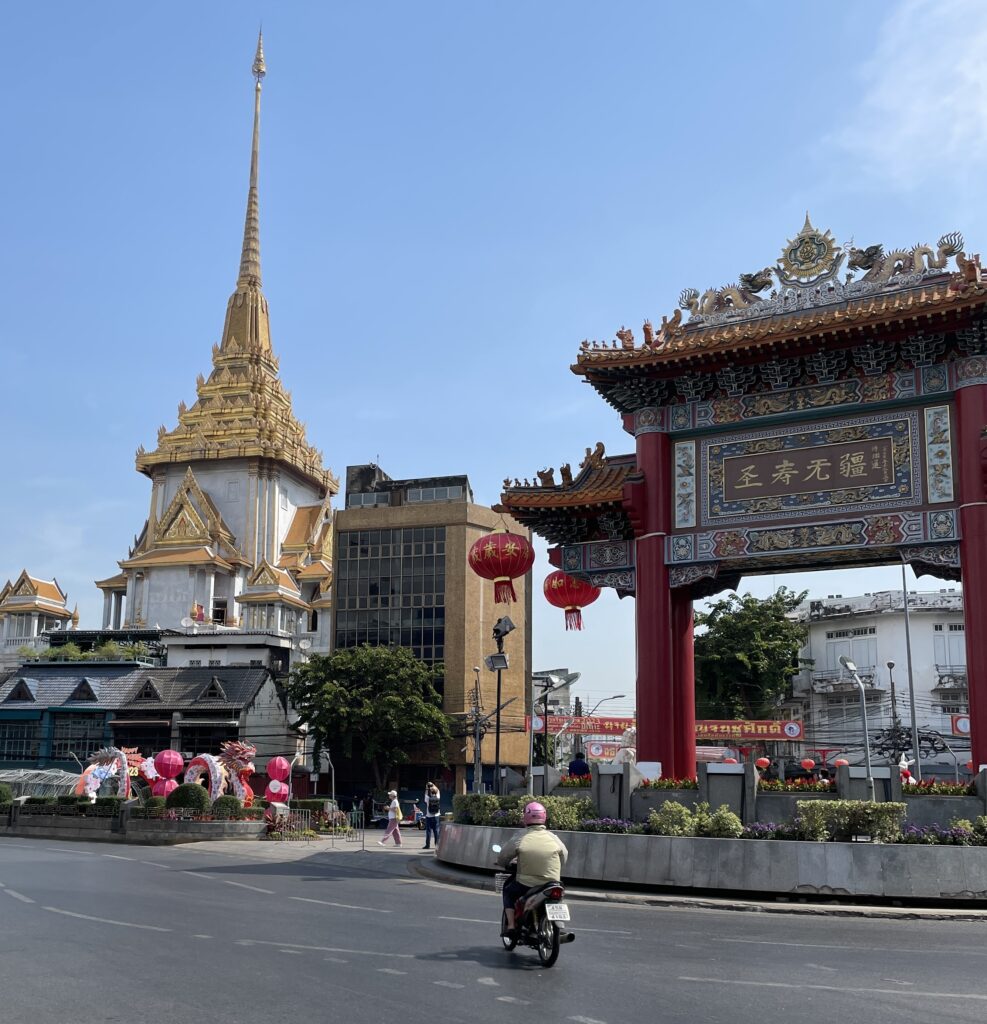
x: 123, y: 722
x: 194, y: 723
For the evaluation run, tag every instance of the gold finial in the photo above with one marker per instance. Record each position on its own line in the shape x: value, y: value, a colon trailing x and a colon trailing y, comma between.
x: 807, y: 226
x: 249, y: 276
x: 260, y: 68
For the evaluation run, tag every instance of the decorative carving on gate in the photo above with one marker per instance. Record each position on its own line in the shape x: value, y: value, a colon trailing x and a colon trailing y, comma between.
x: 685, y: 575
x: 938, y: 454
x: 942, y: 560
x: 684, y: 486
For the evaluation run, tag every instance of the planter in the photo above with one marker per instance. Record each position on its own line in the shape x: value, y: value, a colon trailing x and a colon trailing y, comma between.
x: 644, y: 801
x: 941, y: 810
x: 580, y: 792
x: 780, y: 807
x: 749, y: 865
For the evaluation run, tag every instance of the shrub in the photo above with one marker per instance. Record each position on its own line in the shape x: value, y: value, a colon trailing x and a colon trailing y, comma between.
x: 507, y: 817
x: 619, y: 826
x: 308, y: 805
x: 70, y: 800
x: 252, y: 813
x: 189, y: 795
x: 669, y: 784
x: 671, y: 819
x: 760, y: 830
x: 474, y: 808
x: 720, y: 824
x: 46, y: 801
x: 227, y: 808
x: 566, y: 812
x: 108, y: 801
x: 6, y: 794
x: 797, y: 785
x: 842, y: 819
x: 155, y: 803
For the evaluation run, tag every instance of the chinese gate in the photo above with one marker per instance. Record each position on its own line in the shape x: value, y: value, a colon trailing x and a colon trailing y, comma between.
x: 831, y: 423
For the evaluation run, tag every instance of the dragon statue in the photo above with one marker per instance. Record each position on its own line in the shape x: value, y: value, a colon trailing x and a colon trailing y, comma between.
x: 205, y: 765
x: 237, y: 759
x: 107, y: 763
x: 881, y: 266
x: 731, y: 296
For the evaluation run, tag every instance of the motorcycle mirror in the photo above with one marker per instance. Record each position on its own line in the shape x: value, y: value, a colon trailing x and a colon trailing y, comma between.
x: 496, y: 847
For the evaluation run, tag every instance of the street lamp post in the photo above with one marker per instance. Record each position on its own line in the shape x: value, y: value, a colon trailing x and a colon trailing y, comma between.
x: 498, y: 662
x: 852, y: 669
x: 911, y: 678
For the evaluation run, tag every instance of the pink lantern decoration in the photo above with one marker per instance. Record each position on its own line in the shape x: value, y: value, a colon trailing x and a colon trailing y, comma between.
x: 729, y: 760
x: 969, y: 766
x: 278, y: 769
x: 163, y: 787
x: 169, y: 763
x: 807, y: 763
x: 276, y: 792
x: 763, y: 762
x: 841, y: 762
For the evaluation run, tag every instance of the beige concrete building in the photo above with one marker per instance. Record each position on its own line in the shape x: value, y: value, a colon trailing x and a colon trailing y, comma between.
x: 402, y: 577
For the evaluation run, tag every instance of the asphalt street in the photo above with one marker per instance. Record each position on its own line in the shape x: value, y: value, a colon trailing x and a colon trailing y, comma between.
x: 276, y: 932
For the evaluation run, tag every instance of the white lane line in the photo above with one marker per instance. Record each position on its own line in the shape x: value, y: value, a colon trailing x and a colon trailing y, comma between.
x: 293, y: 952
x: 822, y: 967
x: 196, y: 874
x: 107, y: 920
x: 116, y: 856
x: 837, y: 988
x: 344, y: 906
x: 448, y: 984
x: 586, y: 1020
x: 513, y: 999
x: 389, y: 970
x: 472, y: 920
x: 155, y: 864
x: 252, y: 888
x: 844, y: 949
x: 335, y: 960
x: 201, y: 936
x: 324, y: 949
x: 488, y: 981
x: 18, y: 896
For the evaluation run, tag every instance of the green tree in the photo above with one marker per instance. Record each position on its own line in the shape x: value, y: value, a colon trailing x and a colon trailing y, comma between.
x: 378, y: 703
x: 746, y: 654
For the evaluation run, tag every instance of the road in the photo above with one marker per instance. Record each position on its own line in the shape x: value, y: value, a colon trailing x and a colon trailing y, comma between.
x: 261, y: 933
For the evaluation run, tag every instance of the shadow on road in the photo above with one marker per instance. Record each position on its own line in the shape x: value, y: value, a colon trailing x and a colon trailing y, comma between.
x: 493, y: 956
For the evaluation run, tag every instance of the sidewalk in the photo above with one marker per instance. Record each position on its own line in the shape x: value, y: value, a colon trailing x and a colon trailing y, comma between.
x: 438, y: 871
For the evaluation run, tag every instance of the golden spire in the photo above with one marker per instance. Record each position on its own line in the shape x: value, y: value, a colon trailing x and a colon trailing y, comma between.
x: 250, y: 255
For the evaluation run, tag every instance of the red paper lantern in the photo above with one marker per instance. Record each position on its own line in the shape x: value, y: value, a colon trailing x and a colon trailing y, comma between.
x: 571, y: 594
x: 763, y: 762
x: 807, y: 763
x: 502, y: 557
x: 276, y: 792
x: 840, y: 762
x: 278, y: 769
x: 729, y: 760
x: 162, y: 787
x: 969, y: 766
x: 169, y: 763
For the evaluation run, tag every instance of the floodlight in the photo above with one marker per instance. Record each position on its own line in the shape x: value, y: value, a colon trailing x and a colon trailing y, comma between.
x: 502, y: 627
x: 496, y: 662
x: 848, y: 664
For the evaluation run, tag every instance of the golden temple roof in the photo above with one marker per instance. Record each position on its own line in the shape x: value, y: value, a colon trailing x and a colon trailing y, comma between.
x: 185, y: 556
x: 28, y: 593
x: 241, y: 408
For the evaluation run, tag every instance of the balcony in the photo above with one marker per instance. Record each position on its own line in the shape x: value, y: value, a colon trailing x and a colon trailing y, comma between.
x: 836, y: 680
x: 951, y: 677
x: 37, y: 643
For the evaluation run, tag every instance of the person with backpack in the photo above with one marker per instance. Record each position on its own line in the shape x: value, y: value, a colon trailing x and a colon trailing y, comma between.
x: 432, y: 814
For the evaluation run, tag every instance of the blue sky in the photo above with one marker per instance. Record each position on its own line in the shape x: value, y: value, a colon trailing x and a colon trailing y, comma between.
x: 453, y: 196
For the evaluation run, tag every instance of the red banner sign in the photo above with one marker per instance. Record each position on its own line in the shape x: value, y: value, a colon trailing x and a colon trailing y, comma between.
x: 745, y: 729
x: 583, y: 725
x: 597, y: 751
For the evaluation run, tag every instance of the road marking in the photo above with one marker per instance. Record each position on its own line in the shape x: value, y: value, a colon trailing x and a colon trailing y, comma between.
x: 472, y: 920
x: 513, y: 999
x: 335, y: 960
x: 116, y: 856
x: 845, y: 949
x: 448, y: 984
x: 898, y: 981
x: 196, y: 874
x: 822, y: 967
x: 389, y: 970
x: 488, y: 981
x: 155, y: 864
x: 18, y: 896
x: 344, y: 906
x: 252, y: 888
x: 201, y: 936
x: 293, y: 952
x: 324, y: 949
x: 107, y: 920
x: 586, y: 1020
x: 837, y: 988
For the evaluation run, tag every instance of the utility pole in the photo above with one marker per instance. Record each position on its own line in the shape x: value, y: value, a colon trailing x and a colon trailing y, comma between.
x: 477, y: 720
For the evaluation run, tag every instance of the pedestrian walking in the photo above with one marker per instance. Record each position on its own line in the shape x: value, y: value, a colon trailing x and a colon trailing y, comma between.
x: 393, y: 819
x: 433, y: 814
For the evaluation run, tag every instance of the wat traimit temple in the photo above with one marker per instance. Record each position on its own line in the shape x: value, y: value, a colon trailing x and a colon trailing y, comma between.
x: 29, y: 608
x: 826, y: 411
x: 239, y: 530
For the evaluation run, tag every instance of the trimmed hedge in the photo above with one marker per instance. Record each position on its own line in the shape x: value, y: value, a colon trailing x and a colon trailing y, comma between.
x: 6, y: 794
x: 227, y: 808
x: 564, y: 812
x: 840, y: 820
x: 189, y: 795
x: 41, y: 801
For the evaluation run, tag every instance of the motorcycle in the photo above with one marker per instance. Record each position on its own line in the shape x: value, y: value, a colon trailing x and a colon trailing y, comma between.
x: 537, y: 917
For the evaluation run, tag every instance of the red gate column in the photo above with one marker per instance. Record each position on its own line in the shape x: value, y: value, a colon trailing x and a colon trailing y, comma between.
x: 685, y: 684
x: 971, y: 418
x: 655, y: 701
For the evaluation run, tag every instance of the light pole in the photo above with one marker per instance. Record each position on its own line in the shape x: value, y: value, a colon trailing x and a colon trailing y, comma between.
x: 498, y: 662
x: 543, y: 697
x: 852, y: 669
x: 616, y: 696
x: 911, y: 679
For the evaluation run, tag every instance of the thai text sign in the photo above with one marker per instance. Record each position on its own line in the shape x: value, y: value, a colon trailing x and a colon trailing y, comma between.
x: 596, y: 751
x: 805, y: 470
x: 584, y: 725
x: 745, y: 729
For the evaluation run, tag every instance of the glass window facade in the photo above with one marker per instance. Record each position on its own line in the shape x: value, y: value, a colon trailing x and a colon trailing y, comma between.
x: 81, y: 735
x: 390, y: 589
x: 419, y: 494
x: 20, y: 741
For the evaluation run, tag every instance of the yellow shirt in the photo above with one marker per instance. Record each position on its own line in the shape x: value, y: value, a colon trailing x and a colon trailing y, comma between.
x: 540, y: 855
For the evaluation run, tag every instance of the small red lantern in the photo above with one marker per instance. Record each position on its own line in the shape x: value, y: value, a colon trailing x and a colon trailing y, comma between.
x: 762, y: 763
x: 567, y: 592
x: 841, y: 762
x: 163, y: 787
x: 807, y: 763
x: 969, y: 766
x: 729, y: 760
x: 169, y: 763
x: 502, y: 557
x: 278, y: 769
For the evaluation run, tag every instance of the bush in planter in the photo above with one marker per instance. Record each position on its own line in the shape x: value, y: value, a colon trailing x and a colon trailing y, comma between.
x: 6, y: 794
x: 935, y: 835
x: 227, y: 808
x: 474, y: 808
x: 566, y: 812
x: 669, y: 784
x: 618, y: 826
x: 189, y: 795
x: 719, y: 824
x: 671, y: 819
x: 40, y: 801
x: 841, y: 820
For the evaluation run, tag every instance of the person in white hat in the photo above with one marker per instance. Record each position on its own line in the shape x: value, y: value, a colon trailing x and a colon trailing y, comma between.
x: 393, y: 819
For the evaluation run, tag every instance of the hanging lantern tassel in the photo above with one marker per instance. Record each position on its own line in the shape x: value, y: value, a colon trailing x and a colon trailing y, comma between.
x: 504, y: 590
x: 573, y: 618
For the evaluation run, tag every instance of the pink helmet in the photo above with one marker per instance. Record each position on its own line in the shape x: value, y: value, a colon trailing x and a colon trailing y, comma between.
x: 535, y: 814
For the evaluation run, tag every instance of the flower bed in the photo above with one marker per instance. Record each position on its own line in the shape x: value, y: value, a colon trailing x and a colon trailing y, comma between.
x: 669, y: 784
x: 797, y: 786
x: 933, y: 787
x: 575, y: 782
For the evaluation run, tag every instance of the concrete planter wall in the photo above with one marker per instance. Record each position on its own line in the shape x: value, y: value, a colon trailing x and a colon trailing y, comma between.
x: 644, y: 801
x: 780, y: 807
x: 749, y: 865
x: 578, y: 792
x: 940, y: 810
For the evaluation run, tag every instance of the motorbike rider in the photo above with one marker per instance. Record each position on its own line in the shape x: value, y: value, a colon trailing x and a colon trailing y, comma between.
x: 540, y: 855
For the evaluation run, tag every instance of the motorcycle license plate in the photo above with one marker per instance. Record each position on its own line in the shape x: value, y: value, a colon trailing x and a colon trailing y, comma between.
x: 556, y: 912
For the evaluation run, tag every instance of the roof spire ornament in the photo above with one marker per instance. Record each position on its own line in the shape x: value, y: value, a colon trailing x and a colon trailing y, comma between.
x: 249, y: 276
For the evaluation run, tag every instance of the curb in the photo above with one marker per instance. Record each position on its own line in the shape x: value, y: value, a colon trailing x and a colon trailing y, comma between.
x: 451, y: 875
